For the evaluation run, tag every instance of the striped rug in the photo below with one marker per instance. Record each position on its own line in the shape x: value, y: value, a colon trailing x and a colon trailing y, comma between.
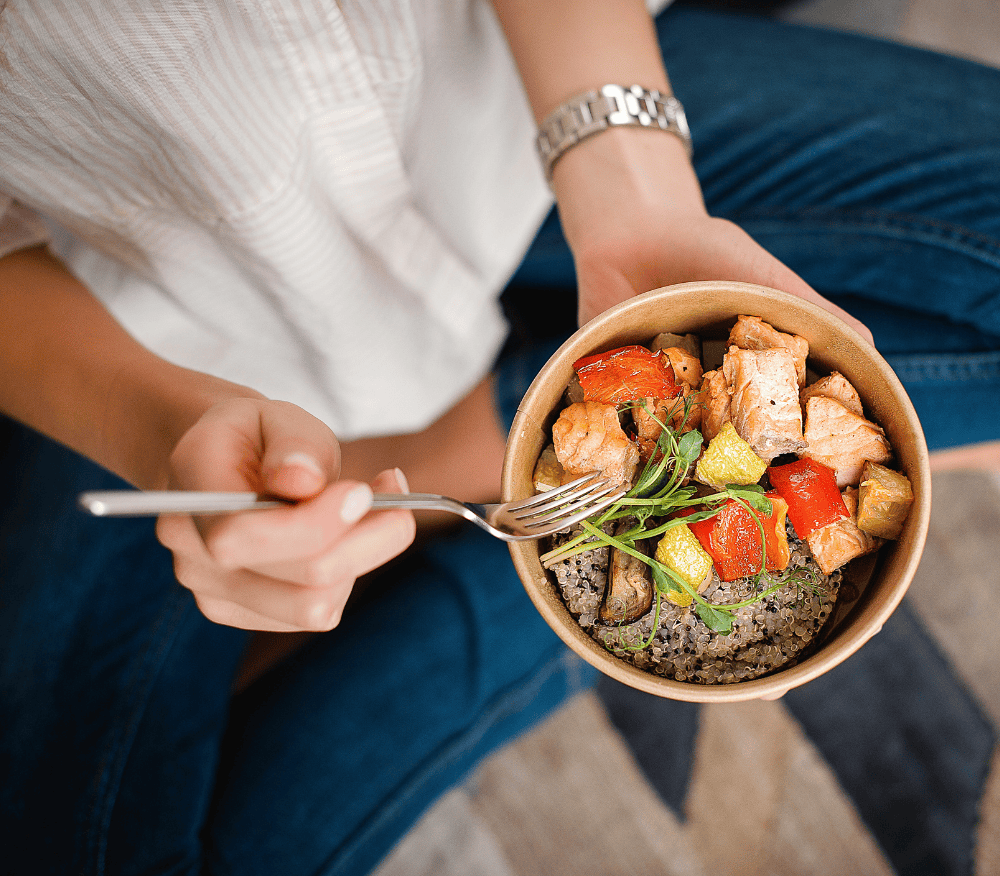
x: 887, y: 765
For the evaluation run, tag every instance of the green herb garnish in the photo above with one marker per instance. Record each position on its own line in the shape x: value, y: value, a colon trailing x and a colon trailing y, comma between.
x: 659, y: 492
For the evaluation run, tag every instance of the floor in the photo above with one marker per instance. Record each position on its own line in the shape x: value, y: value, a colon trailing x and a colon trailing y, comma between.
x: 969, y: 28
x: 768, y: 792
x: 761, y: 799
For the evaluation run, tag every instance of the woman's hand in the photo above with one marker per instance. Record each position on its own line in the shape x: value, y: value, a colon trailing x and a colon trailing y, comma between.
x: 287, y: 568
x: 633, y: 214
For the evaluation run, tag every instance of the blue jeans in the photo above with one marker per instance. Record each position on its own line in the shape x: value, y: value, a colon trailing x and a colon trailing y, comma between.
x: 870, y: 169
x: 122, y: 751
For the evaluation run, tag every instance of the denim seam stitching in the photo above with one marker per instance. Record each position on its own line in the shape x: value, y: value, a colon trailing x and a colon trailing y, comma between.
x: 972, y: 367
x: 900, y: 226
x: 877, y: 217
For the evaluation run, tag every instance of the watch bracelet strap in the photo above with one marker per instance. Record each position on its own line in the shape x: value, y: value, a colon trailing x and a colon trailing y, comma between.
x: 611, y: 105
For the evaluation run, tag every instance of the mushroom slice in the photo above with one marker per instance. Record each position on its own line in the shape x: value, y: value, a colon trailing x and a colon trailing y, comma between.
x: 629, y: 593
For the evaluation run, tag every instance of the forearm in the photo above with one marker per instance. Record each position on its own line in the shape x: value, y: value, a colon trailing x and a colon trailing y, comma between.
x: 613, y: 186
x: 69, y: 370
x: 566, y: 47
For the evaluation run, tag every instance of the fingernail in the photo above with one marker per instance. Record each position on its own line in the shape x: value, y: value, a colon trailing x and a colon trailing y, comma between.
x: 303, y: 460
x: 356, y: 504
x: 404, y: 484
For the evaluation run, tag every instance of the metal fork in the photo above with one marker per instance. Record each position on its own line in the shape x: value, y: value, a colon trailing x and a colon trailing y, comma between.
x: 532, y: 518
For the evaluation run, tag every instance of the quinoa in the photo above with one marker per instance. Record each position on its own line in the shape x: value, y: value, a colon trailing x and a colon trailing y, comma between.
x: 582, y: 579
x: 769, y: 634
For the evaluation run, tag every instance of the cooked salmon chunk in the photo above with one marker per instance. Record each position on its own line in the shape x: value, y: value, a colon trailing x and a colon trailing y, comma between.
x: 647, y: 416
x: 765, y: 400
x: 588, y: 437
x: 687, y: 368
x: 689, y: 343
x: 842, y: 440
x: 752, y: 333
x: 840, y: 542
x: 834, y: 386
x: 715, y: 402
x: 687, y: 373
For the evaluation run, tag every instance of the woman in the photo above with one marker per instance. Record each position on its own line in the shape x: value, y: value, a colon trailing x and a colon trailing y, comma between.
x: 260, y: 247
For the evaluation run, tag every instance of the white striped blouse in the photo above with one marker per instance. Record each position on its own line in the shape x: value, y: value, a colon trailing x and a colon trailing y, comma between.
x: 319, y: 199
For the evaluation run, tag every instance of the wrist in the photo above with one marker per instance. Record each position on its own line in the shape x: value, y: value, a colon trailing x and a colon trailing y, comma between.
x: 592, y: 112
x: 622, y: 177
x: 162, y: 404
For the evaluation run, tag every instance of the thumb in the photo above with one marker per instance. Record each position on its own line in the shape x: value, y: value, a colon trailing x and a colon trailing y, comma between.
x: 301, y: 455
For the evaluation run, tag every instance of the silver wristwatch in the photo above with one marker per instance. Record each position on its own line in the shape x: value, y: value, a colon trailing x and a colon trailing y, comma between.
x: 595, y: 111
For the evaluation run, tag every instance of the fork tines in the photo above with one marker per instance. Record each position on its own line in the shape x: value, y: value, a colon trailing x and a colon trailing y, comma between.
x: 571, y: 503
x: 565, y: 492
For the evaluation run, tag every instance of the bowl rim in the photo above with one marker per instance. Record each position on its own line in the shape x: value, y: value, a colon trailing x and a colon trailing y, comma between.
x: 849, y: 637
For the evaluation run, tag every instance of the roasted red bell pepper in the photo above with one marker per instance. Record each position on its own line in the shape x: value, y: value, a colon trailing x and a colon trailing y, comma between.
x: 811, y: 491
x: 626, y: 374
x: 732, y: 538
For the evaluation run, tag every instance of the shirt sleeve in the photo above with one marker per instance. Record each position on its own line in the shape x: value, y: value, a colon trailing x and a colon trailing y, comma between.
x: 19, y: 226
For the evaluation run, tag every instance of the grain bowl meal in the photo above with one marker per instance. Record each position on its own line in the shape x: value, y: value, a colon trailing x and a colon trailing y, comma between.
x: 772, y: 520
x: 754, y: 481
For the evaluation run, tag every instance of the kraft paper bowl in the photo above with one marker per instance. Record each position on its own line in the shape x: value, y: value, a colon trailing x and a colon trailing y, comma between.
x: 709, y: 309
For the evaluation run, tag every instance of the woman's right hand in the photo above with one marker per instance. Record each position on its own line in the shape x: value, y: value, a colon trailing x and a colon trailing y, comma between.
x: 282, y: 569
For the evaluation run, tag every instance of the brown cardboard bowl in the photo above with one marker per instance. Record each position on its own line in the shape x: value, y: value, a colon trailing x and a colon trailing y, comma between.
x: 709, y: 309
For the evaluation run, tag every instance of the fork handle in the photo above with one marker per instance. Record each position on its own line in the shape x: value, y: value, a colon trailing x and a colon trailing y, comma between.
x: 151, y: 503
x: 417, y: 502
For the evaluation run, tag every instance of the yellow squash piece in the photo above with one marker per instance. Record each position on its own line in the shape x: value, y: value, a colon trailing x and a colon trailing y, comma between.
x: 683, y: 554
x: 884, y: 500
x: 728, y: 459
x: 549, y: 473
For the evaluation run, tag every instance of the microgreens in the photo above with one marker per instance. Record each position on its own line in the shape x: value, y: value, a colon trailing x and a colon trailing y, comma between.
x: 660, y: 492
